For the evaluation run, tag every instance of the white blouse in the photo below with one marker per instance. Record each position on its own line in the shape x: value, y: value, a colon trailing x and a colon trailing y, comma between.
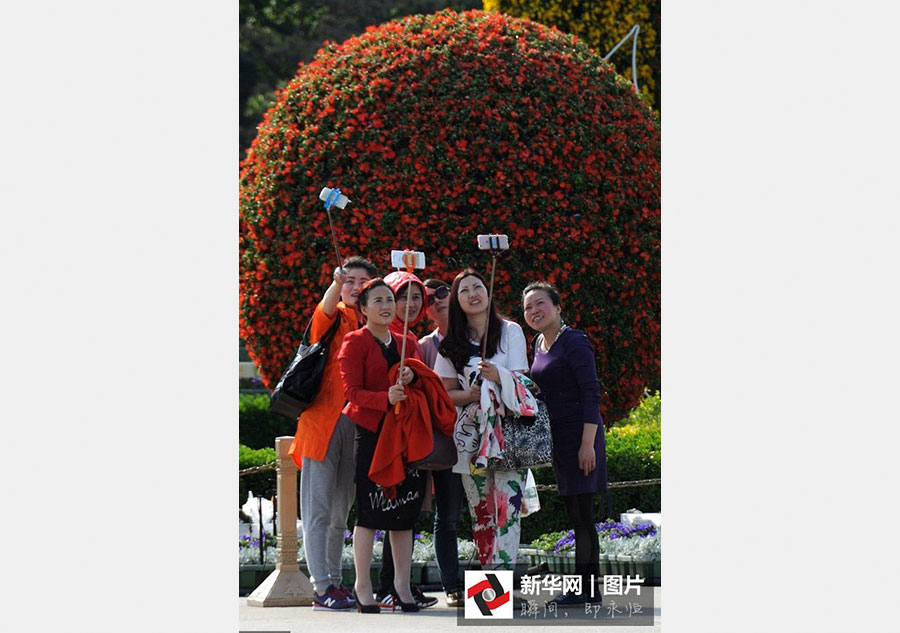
x: 512, y: 353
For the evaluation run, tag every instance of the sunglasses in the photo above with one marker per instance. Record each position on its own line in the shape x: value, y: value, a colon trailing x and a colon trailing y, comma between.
x: 439, y: 293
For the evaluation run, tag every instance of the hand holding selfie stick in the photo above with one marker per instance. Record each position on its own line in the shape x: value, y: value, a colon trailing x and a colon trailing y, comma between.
x: 496, y: 244
x: 333, y: 198
x: 410, y: 260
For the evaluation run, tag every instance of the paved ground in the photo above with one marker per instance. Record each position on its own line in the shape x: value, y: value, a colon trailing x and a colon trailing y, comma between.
x: 437, y: 618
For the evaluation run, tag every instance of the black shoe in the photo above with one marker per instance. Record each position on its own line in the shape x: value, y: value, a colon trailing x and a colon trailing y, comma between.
x: 365, y: 608
x: 422, y: 600
x: 406, y: 607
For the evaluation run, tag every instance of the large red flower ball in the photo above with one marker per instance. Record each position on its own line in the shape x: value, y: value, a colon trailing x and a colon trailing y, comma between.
x: 442, y: 127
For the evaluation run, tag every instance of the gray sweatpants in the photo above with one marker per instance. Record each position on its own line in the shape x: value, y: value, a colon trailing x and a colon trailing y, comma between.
x: 326, y: 495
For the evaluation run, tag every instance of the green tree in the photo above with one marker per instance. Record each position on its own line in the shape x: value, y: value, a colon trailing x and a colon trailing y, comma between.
x: 277, y: 35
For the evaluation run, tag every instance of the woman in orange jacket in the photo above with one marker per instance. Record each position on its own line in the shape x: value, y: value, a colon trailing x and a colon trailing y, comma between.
x: 323, y: 444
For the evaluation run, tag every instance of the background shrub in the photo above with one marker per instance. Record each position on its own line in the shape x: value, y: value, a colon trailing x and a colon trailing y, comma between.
x: 441, y: 127
x: 262, y: 484
x: 258, y: 427
x: 603, y: 24
x: 276, y: 35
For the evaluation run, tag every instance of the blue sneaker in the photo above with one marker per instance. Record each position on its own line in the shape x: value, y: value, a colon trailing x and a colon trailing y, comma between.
x: 333, y: 599
x: 342, y: 590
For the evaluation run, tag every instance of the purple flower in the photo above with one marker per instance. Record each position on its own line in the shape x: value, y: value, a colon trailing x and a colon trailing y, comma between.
x: 568, y: 539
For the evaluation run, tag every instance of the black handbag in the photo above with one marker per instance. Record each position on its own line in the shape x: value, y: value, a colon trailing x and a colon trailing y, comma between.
x: 527, y: 442
x: 299, y: 385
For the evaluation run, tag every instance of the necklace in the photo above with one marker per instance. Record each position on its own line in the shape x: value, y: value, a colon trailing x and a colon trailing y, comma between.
x: 544, y: 345
x: 385, y: 343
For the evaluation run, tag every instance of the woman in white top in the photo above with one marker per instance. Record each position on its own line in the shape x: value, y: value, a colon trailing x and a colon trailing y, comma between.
x: 495, y: 497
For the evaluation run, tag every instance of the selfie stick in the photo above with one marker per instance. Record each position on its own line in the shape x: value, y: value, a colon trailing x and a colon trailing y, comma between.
x: 411, y: 260
x: 495, y: 244
x: 332, y: 198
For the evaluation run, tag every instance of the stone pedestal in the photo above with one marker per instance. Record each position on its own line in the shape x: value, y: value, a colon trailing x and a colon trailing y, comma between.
x: 287, y: 586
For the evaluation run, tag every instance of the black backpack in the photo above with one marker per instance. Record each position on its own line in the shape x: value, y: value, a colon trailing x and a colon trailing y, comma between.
x: 300, y: 383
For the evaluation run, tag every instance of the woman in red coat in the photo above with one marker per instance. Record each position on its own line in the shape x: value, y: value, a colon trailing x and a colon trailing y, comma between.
x: 366, y: 358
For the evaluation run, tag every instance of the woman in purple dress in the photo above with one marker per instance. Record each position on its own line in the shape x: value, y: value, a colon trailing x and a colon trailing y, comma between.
x: 565, y: 370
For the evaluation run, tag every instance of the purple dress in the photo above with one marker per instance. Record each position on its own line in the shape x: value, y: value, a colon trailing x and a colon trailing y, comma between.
x: 567, y: 376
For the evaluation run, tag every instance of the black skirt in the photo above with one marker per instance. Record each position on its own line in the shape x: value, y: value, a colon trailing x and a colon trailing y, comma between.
x: 374, y: 508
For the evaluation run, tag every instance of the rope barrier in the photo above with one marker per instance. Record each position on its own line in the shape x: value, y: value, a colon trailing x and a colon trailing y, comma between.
x: 257, y: 469
x: 613, y: 484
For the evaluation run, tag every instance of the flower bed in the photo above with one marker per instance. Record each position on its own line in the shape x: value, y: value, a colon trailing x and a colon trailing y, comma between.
x: 624, y: 549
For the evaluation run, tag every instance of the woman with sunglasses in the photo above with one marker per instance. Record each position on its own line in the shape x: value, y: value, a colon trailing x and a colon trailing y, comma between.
x: 448, y: 488
x: 495, y: 497
x: 437, y: 304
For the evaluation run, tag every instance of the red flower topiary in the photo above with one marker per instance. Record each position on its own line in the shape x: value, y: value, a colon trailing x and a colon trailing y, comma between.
x: 442, y: 127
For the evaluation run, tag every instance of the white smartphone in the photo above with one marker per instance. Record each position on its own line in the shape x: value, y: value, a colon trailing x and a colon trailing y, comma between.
x: 418, y: 257
x: 340, y: 201
x: 493, y: 242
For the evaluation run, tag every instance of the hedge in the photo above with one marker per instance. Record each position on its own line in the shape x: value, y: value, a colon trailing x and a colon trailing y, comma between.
x: 262, y: 484
x: 442, y: 127
x: 633, y: 451
x: 258, y: 427
x: 603, y: 24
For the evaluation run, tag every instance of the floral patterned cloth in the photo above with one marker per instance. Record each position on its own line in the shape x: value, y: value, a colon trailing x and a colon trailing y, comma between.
x: 495, y: 497
x: 495, y: 501
x: 478, y: 432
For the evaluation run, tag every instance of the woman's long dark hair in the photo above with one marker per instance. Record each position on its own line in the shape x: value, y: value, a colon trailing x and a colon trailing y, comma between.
x: 456, y: 346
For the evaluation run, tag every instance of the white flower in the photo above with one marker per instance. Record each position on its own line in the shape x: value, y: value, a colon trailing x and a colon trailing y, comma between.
x: 377, y: 550
x: 466, y: 549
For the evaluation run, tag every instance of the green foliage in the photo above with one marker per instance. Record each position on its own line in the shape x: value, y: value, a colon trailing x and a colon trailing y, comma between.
x: 647, y: 413
x: 257, y: 430
x: 262, y: 484
x: 258, y: 427
x: 547, y: 542
x: 603, y: 24
x: 250, y: 457
x: 277, y: 35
